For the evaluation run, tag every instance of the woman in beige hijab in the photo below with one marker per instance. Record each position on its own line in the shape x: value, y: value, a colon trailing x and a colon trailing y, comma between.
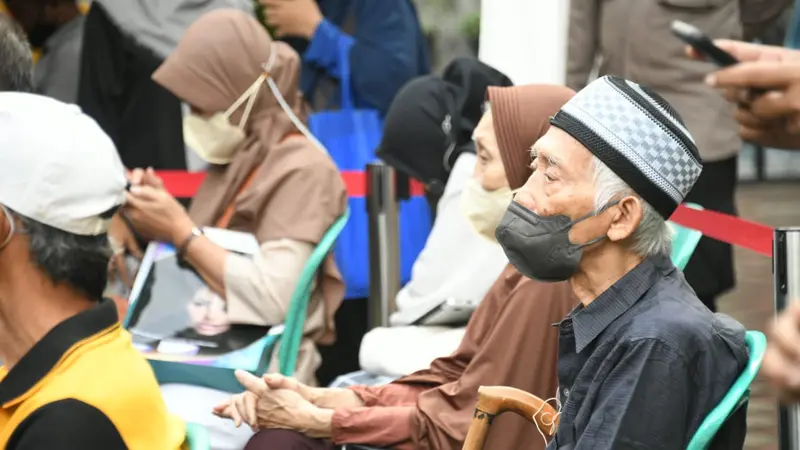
x: 265, y: 178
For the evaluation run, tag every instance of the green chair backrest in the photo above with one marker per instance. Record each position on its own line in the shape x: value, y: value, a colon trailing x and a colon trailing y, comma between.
x: 197, y: 437
x: 684, y: 241
x: 298, y: 308
x: 736, y: 396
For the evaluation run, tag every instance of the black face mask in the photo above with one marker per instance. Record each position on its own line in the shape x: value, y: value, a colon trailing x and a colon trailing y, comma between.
x: 539, y: 247
x: 40, y: 34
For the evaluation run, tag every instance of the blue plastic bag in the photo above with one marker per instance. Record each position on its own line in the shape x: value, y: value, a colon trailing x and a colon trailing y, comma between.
x: 351, y: 137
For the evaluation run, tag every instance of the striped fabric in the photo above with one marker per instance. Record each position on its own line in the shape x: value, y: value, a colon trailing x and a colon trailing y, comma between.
x: 638, y: 135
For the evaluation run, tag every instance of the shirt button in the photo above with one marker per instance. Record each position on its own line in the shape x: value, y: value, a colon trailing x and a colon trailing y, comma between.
x: 566, y: 393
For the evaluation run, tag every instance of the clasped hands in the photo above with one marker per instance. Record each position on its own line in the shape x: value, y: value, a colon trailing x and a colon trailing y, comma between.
x: 276, y: 402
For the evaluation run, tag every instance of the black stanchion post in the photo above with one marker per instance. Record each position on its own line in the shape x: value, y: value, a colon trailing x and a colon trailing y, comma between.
x: 786, y: 273
x: 384, y: 247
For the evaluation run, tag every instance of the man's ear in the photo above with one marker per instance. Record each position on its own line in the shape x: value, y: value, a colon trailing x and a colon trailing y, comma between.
x: 626, y: 216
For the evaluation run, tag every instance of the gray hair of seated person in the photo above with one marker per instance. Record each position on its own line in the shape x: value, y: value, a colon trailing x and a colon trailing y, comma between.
x: 16, y: 58
x: 78, y: 262
x: 653, y: 236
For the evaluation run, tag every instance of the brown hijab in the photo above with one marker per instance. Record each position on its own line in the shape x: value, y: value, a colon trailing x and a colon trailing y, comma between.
x: 510, y: 340
x: 521, y: 116
x: 296, y: 191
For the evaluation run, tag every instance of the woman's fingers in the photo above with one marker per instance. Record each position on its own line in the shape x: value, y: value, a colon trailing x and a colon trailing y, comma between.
x: 276, y: 381
x: 135, y: 177
x: 249, y: 412
x: 151, y: 179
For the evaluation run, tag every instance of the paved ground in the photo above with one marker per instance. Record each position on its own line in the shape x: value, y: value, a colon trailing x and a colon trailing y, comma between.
x: 752, y: 301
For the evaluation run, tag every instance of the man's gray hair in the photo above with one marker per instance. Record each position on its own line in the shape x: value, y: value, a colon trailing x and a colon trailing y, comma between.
x: 80, y: 262
x: 653, y: 236
x: 16, y: 58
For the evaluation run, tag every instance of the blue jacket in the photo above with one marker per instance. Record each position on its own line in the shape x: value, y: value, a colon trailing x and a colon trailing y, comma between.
x: 387, y: 50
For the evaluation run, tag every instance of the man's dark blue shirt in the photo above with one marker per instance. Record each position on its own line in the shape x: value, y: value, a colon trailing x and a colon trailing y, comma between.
x: 643, y: 364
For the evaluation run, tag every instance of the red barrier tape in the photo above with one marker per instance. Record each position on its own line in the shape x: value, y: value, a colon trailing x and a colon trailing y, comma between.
x: 183, y: 184
x: 733, y: 230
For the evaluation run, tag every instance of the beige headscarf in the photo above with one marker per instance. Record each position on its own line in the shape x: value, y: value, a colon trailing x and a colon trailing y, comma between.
x: 297, y: 192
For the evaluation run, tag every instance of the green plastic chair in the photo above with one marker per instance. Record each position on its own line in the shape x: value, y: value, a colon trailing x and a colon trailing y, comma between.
x: 736, y: 396
x: 291, y: 332
x: 197, y: 437
x: 684, y: 241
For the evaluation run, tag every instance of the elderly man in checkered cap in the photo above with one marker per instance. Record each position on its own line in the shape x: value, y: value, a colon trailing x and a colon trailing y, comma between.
x: 641, y: 361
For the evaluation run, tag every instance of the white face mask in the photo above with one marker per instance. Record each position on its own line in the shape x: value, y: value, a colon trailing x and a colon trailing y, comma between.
x: 216, y: 140
x: 484, y: 209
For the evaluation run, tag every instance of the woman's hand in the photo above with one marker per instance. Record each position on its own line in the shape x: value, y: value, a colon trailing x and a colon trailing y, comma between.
x: 277, y: 381
x: 241, y: 408
x: 157, y: 215
x: 329, y: 398
x: 265, y: 408
x: 145, y: 177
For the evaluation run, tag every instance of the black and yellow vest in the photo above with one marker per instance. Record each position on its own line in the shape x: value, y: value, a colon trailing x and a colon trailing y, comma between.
x: 90, y: 358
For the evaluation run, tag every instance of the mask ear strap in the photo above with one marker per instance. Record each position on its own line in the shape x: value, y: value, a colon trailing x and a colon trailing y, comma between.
x: 251, y: 93
x: 251, y: 101
x: 11, y: 224
x: 592, y: 214
x: 248, y: 97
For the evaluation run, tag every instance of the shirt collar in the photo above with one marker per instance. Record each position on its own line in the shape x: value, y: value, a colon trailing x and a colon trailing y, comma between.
x: 46, y: 354
x: 590, y: 321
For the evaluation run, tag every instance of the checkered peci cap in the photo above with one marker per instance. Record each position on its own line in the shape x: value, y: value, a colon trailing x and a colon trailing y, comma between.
x: 638, y: 135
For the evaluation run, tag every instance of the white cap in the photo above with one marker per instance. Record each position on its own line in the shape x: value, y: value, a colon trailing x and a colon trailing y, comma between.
x: 57, y: 166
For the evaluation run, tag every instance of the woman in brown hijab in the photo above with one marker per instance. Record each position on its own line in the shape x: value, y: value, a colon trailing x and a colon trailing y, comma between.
x: 509, y: 341
x: 265, y: 177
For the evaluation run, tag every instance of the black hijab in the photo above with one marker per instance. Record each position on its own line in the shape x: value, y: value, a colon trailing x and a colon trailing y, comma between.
x: 431, y: 120
x: 419, y: 134
x: 472, y: 78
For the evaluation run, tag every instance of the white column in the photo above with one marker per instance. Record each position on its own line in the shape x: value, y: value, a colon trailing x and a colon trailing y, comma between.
x: 525, y: 39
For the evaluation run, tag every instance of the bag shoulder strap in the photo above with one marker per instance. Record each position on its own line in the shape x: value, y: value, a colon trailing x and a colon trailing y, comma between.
x: 226, y: 217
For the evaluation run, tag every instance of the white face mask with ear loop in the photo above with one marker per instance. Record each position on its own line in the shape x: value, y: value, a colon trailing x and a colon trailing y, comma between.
x: 484, y: 209
x: 546, y: 420
x: 215, y: 139
x: 12, y: 227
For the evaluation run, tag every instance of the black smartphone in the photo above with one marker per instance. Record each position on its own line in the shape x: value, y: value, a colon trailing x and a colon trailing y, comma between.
x: 702, y: 44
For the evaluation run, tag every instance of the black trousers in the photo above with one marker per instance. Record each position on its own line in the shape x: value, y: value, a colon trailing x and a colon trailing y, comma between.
x: 710, y: 271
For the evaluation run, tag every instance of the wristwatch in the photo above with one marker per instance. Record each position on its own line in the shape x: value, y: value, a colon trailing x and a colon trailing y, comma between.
x: 185, y: 243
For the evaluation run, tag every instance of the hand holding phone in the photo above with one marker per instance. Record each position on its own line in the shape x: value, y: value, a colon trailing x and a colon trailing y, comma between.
x: 702, y: 44
x: 706, y: 48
